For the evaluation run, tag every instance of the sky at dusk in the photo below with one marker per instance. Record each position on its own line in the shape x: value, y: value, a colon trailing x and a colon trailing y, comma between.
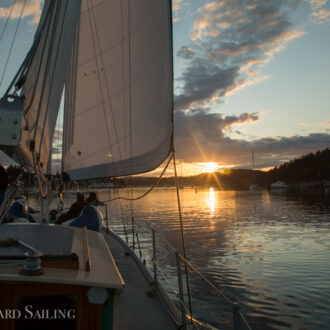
x: 247, y: 74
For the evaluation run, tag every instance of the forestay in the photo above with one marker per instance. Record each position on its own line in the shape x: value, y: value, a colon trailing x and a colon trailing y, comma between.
x: 119, y: 89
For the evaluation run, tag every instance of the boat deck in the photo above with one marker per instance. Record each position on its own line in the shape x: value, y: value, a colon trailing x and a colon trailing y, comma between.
x: 61, y: 241
x: 137, y: 311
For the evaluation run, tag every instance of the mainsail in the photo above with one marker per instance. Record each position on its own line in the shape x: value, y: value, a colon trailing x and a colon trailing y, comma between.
x: 37, y: 88
x: 119, y: 89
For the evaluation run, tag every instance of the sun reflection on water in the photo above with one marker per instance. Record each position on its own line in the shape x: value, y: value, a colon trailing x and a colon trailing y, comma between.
x: 211, y: 201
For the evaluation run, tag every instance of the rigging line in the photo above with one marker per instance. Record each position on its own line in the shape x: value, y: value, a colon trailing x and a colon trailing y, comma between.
x: 148, y: 191
x: 130, y: 108
x: 60, y: 138
x: 57, y: 136
x: 106, y: 84
x: 52, y: 4
x: 98, y: 75
x: 12, y: 44
x: 129, y: 80
x: 35, y: 126
x: 7, y: 20
x: 182, y: 233
x: 123, y: 68
x: 52, y: 80
x: 36, y: 168
x: 25, y: 67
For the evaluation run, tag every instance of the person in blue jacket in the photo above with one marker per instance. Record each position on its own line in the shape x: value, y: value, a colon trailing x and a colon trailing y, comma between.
x: 18, y: 209
x: 90, y: 217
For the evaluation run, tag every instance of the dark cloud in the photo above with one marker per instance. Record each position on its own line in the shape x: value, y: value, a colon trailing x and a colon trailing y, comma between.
x: 186, y: 53
x: 231, y: 39
x: 202, y: 82
x: 200, y: 137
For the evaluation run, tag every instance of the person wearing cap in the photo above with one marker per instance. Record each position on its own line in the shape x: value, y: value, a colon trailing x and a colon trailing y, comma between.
x: 74, y: 210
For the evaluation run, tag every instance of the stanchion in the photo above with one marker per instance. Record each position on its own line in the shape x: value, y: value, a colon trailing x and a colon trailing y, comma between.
x: 236, y: 316
x: 106, y: 217
x: 154, y: 258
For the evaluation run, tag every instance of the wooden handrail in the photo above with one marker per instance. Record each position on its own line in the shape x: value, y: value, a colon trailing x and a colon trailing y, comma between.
x: 87, y: 253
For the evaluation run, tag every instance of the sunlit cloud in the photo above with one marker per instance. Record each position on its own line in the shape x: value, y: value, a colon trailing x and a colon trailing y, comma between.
x: 229, y: 45
x: 241, y: 84
x: 201, y: 137
x: 32, y: 9
x: 177, y: 7
x: 186, y: 53
x: 321, y: 16
x: 325, y: 124
x: 317, y: 4
x: 304, y: 124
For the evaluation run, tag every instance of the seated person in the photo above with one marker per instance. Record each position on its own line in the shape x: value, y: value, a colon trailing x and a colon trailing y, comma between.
x: 92, y: 199
x: 90, y: 217
x: 18, y: 209
x: 74, y: 210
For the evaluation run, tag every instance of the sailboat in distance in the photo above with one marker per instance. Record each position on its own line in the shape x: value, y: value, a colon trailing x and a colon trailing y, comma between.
x: 253, y: 186
x: 113, y: 60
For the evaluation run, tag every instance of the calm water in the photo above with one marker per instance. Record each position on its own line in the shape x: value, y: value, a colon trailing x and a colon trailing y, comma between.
x: 268, y: 250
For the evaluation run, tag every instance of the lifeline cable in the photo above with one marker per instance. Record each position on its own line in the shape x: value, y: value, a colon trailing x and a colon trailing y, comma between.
x: 182, y: 235
x: 148, y: 191
x: 218, y: 291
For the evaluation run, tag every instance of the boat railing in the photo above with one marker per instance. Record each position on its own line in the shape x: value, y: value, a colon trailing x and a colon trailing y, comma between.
x: 187, y: 320
x: 239, y: 319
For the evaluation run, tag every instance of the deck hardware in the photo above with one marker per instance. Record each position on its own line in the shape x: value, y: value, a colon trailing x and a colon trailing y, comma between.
x: 32, y: 265
x: 236, y: 316
x: 87, y: 253
x: 30, y: 248
x: 97, y: 295
x: 151, y: 293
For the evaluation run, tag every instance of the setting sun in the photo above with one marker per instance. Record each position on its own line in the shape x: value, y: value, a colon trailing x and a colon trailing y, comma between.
x: 209, y: 167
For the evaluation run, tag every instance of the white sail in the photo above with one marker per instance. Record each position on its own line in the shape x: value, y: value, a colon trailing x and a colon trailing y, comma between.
x: 119, y: 89
x: 41, y: 79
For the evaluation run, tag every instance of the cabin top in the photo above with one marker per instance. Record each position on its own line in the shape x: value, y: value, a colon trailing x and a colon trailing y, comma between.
x: 69, y: 255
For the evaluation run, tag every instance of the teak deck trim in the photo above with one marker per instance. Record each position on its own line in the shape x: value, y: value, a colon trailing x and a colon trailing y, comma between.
x: 87, y: 252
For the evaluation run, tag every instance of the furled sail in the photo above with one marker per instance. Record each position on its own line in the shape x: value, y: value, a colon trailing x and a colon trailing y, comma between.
x: 119, y: 89
x: 38, y: 85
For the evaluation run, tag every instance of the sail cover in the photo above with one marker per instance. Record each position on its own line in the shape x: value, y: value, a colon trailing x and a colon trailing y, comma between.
x: 41, y: 80
x: 119, y: 89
